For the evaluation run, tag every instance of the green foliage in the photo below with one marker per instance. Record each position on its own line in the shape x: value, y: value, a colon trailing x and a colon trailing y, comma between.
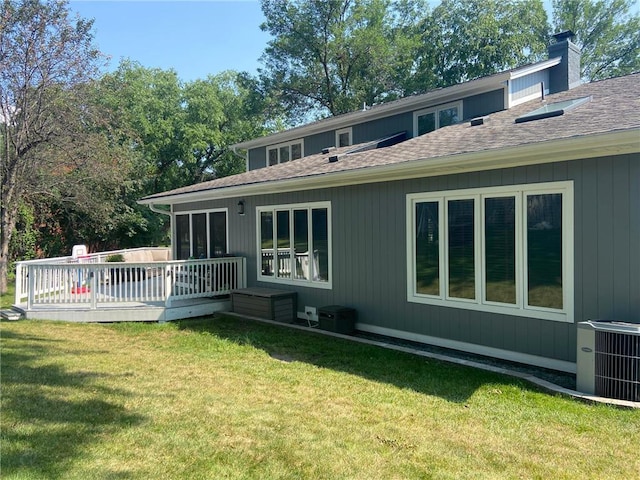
x: 474, y: 38
x: 335, y: 56
x: 331, y: 56
x: 328, y: 58
x: 24, y: 245
x: 114, y: 258
x: 607, y: 33
x: 181, y: 132
x: 51, y: 148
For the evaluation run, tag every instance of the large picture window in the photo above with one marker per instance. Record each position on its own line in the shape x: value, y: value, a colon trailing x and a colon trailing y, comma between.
x: 502, y: 249
x: 294, y: 244
x: 201, y: 234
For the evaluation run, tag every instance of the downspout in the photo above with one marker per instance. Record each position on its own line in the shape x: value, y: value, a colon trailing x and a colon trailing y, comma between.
x: 155, y: 209
x: 245, y: 158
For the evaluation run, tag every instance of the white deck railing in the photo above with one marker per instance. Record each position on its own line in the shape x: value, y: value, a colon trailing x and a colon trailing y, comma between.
x: 91, y: 282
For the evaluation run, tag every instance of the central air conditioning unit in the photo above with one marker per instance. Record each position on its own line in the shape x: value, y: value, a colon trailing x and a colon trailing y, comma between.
x: 608, y: 359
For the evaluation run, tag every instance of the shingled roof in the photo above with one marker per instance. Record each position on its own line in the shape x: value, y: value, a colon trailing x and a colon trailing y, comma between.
x: 608, y: 123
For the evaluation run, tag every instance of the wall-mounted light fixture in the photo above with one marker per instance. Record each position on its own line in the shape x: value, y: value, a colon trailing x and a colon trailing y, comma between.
x: 241, y: 207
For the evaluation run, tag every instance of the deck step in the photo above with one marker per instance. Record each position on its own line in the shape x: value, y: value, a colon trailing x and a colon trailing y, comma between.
x: 10, y: 315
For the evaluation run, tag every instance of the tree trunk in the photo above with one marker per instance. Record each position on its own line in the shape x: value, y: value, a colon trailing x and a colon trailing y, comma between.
x: 8, y: 222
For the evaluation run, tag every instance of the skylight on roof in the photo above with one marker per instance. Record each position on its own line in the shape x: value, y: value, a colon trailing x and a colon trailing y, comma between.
x: 552, y: 110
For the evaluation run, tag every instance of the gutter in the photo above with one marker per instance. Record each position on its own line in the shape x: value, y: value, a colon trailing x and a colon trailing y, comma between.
x: 566, y: 149
x: 155, y: 209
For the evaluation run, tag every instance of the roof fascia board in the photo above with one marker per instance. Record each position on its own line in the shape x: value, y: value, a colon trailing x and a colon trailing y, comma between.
x: 574, y: 148
x: 529, y: 69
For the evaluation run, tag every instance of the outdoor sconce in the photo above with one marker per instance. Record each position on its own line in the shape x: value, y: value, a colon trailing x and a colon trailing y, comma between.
x: 241, y: 207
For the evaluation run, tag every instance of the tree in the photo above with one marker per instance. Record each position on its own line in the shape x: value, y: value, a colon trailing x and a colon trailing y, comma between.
x: 178, y: 134
x: 220, y: 111
x: 607, y: 33
x: 335, y: 56
x: 467, y: 39
x: 330, y: 57
x: 54, y: 145
x: 182, y: 132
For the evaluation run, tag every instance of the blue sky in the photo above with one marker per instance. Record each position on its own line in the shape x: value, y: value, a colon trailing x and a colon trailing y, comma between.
x: 195, y: 38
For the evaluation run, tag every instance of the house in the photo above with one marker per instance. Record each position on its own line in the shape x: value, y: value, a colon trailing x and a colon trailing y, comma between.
x: 490, y: 217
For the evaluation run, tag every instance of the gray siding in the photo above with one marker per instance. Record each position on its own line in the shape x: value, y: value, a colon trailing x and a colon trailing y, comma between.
x: 483, y: 104
x: 315, y: 143
x: 383, y: 127
x: 369, y: 255
x: 529, y: 85
x: 474, y: 106
x: 257, y: 158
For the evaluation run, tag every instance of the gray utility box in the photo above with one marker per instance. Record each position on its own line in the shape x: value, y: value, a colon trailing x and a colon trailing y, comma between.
x: 267, y: 303
x: 338, y: 319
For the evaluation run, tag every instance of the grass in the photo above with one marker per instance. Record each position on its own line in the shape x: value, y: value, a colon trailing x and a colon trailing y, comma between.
x: 7, y: 299
x: 227, y: 398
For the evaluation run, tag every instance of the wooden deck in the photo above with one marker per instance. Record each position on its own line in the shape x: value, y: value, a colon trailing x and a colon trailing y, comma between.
x: 153, y: 291
x: 128, y: 312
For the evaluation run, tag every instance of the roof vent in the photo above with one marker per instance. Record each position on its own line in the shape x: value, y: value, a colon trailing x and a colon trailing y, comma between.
x: 333, y: 158
x: 477, y: 121
x: 327, y: 150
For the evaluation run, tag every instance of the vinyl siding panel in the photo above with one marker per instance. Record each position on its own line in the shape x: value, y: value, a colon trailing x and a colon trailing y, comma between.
x: 257, y: 158
x: 315, y: 143
x: 529, y: 85
x: 473, y: 106
x: 483, y: 104
x: 370, y: 266
x: 383, y: 127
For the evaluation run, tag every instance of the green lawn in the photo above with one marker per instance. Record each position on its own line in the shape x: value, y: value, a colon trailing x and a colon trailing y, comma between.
x: 228, y: 398
x: 7, y: 299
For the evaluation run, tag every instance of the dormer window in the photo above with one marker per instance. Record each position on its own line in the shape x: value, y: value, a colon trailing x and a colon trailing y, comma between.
x: 284, y: 152
x: 344, y: 137
x: 430, y: 119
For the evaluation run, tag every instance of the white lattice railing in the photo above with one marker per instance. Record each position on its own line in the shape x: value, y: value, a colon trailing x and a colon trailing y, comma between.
x: 92, y: 282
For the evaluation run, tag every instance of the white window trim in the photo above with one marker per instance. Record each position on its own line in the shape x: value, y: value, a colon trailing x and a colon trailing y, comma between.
x: 435, y: 111
x: 291, y: 207
x: 190, y: 213
x: 520, y: 308
x: 286, y: 144
x: 348, y: 130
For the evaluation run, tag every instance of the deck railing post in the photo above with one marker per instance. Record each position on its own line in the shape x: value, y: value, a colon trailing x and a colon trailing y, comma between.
x: 31, y: 279
x: 243, y: 283
x: 93, y: 275
x: 18, y: 296
x: 168, y: 285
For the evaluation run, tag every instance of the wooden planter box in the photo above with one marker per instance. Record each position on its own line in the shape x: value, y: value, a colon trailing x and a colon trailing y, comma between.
x: 267, y: 303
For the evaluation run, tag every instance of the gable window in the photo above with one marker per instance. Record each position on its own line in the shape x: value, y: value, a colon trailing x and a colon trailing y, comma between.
x: 344, y: 137
x: 294, y: 244
x: 201, y: 234
x: 285, y: 152
x: 428, y: 120
x: 502, y: 250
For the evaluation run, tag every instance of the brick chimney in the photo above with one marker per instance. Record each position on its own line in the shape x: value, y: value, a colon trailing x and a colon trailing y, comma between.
x: 566, y: 75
